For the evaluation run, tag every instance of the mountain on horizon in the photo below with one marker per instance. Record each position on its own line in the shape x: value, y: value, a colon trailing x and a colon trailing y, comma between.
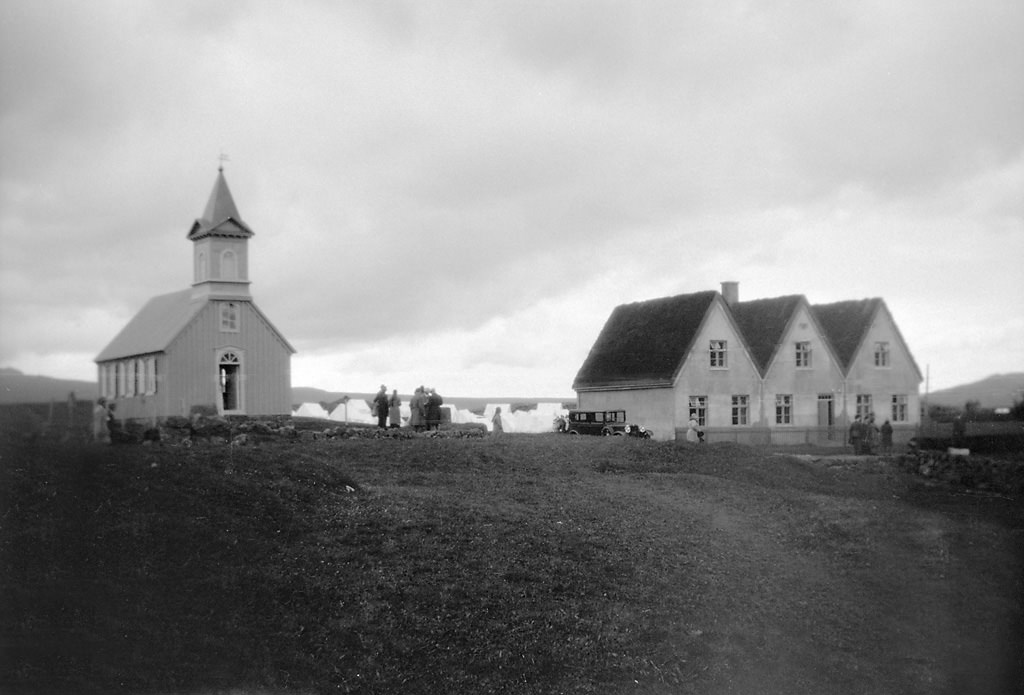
x: 995, y: 391
x: 17, y: 387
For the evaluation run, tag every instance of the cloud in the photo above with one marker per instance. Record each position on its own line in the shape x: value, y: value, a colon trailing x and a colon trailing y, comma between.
x: 429, y: 171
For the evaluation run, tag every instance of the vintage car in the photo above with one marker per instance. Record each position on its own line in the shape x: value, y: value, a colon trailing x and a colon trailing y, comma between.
x: 602, y: 422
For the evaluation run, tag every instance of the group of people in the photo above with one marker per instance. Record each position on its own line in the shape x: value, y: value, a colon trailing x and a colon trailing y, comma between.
x: 424, y: 409
x: 865, y: 435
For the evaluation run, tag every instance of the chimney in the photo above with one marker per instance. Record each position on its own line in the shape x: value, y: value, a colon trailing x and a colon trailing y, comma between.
x: 731, y: 292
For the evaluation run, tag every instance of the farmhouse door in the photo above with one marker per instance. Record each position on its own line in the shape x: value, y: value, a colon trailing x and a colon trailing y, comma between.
x: 826, y: 415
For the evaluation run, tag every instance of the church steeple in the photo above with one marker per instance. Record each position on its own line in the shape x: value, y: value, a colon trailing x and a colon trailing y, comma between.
x: 220, y: 248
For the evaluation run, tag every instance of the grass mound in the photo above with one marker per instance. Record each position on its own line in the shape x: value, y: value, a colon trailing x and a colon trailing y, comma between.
x: 522, y: 564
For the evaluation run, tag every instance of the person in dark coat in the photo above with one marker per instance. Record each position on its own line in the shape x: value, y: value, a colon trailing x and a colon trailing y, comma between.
x: 886, y: 437
x: 857, y: 435
x: 380, y: 407
x: 434, y: 402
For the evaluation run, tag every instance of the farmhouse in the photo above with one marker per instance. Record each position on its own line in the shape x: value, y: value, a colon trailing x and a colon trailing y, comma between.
x: 776, y: 370
x: 208, y: 345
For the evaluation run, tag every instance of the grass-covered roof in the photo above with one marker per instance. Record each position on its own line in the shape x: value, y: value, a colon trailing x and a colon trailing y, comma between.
x: 643, y: 343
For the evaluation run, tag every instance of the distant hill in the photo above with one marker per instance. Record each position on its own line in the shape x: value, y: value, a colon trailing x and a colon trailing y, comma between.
x: 996, y: 391
x: 16, y: 387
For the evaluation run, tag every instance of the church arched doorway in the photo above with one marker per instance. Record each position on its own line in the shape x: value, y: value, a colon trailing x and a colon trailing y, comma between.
x: 229, y: 382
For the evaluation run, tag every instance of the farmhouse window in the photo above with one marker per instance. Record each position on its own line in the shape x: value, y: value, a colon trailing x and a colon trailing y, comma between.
x: 803, y: 354
x: 111, y: 381
x: 699, y: 409
x: 740, y: 409
x: 899, y: 408
x: 864, y: 408
x: 717, y: 352
x: 229, y: 317
x: 783, y: 409
x: 882, y: 354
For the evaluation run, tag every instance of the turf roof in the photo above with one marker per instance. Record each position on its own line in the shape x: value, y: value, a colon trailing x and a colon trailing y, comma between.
x: 643, y: 343
x: 763, y: 323
x: 845, y: 325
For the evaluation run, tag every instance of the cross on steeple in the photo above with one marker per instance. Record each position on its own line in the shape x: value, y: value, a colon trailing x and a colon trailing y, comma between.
x: 222, y: 158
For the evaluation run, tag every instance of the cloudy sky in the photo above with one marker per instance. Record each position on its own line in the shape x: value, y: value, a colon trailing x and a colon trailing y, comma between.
x: 458, y: 193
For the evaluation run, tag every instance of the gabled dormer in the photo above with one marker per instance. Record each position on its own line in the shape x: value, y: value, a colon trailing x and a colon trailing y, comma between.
x: 220, y: 247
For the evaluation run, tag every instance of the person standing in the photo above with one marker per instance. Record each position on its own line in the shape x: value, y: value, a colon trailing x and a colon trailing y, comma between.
x: 856, y: 435
x: 380, y: 406
x: 416, y: 413
x: 870, y: 435
x: 691, y: 431
x: 395, y: 409
x: 434, y: 402
x: 496, y: 426
x: 886, y: 437
x: 100, y: 431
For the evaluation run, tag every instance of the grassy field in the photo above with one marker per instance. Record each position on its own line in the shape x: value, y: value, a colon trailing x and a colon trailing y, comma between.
x: 526, y: 564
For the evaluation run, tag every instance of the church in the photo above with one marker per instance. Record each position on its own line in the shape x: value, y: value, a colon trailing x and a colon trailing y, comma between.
x: 207, y: 347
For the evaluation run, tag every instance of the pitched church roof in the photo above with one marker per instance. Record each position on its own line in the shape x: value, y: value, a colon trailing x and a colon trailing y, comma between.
x: 220, y: 218
x: 154, y: 327
x: 642, y: 344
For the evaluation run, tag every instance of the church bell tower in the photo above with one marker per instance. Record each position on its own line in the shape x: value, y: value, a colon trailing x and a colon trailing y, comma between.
x: 220, y: 247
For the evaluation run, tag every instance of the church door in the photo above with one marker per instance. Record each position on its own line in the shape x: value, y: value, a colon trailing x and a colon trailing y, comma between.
x: 229, y: 376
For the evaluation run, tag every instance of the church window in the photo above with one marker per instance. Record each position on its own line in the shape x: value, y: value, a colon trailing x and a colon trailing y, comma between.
x: 228, y: 265
x: 129, y: 378
x: 229, y: 317
x: 200, y: 267
x: 150, y: 376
